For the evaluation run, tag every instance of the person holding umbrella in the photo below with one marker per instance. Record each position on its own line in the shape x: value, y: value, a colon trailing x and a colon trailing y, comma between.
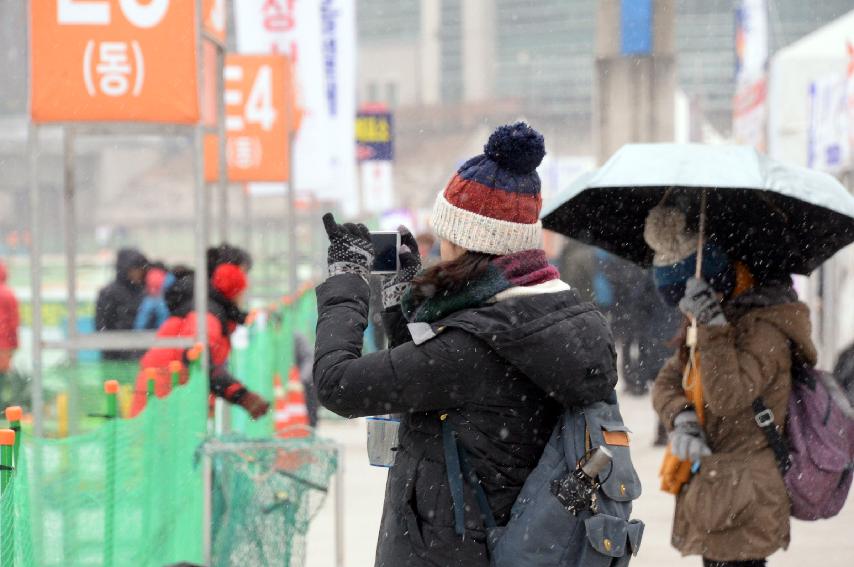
x: 723, y: 228
x: 751, y: 330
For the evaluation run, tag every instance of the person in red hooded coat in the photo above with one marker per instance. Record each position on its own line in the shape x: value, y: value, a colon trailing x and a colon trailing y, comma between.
x: 9, y: 320
x: 227, y: 284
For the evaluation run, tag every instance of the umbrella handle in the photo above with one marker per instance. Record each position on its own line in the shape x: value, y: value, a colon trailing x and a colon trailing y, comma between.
x: 691, y: 338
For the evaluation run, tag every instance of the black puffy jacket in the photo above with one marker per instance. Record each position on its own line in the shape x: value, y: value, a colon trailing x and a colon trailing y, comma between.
x: 502, y: 373
x: 119, y: 301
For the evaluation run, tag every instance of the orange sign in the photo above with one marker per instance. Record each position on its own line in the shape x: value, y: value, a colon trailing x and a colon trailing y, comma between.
x: 113, y: 60
x: 214, y: 19
x: 259, y: 110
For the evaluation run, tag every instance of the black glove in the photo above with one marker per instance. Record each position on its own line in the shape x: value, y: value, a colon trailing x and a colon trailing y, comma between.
x: 701, y: 303
x: 350, y: 248
x: 395, y: 285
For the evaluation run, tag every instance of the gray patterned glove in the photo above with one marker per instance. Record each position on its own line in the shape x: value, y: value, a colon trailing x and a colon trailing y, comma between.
x: 687, y: 440
x: 350, y: 248
x: 700, y: 302
x: 395, y: 285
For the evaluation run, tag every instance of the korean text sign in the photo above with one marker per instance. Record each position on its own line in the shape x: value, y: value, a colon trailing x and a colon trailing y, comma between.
x: 258, y: 107
x: 114, y: 60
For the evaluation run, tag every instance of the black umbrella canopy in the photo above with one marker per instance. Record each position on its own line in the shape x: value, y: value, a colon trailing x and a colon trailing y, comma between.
x: 789, y: 220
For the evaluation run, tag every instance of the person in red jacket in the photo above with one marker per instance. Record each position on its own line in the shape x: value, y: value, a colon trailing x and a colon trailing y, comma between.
x: 9, y: 320
x: 228, y: 283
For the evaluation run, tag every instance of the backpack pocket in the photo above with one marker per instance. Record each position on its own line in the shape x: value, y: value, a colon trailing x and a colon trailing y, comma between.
x: 606, y: 429
x: 612, y: 541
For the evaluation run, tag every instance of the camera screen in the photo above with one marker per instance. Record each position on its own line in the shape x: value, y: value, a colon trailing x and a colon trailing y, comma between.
x: 385, y: 249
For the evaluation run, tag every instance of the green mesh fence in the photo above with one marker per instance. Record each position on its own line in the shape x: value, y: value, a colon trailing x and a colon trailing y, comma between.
x: 128, y: 493
x: 270, y: 352
x: 265, y: 494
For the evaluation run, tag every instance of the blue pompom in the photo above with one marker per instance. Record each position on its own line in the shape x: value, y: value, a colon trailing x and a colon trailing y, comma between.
x: 516, y: 147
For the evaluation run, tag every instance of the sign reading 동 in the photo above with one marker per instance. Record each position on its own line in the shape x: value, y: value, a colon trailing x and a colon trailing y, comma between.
x: 114, y: 60
x: 258, y: 108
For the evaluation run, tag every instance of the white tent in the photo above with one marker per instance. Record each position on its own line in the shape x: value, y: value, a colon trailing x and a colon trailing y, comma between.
x: 793, y: 69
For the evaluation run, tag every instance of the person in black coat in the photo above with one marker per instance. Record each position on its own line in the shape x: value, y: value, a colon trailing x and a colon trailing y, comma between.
x: 118, y: 302
x: 490, y: 339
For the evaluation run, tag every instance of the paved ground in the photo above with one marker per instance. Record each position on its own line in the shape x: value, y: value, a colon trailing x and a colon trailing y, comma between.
x: 826, y: 544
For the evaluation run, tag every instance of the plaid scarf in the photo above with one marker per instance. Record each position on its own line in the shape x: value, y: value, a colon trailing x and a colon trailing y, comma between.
x: 526, y: 268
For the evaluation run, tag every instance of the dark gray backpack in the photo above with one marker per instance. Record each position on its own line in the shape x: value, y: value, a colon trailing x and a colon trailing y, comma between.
x: 541, y: 532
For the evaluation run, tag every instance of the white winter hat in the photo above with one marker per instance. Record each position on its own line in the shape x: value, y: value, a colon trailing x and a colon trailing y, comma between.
x: 666, y: 232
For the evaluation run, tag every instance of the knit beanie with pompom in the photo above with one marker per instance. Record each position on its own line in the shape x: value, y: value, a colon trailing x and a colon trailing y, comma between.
x: 492, y: 204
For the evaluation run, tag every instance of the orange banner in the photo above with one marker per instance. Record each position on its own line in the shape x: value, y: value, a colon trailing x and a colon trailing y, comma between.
x: 113, y: 60
x: 259, y: 113
x: 214, y: 19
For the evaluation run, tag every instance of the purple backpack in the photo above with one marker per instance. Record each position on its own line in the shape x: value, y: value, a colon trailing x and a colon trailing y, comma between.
x: 816, y: 456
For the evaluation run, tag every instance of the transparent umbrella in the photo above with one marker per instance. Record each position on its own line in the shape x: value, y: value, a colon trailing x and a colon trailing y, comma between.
x: 783, y: 218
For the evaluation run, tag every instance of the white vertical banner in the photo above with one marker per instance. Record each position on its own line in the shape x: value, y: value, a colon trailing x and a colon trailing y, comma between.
x: 828, y: 127
x: 338, y: 20
x: 293, y: 27
x: 849, y: 90
x: 377, y: 186
x: 750, y: 108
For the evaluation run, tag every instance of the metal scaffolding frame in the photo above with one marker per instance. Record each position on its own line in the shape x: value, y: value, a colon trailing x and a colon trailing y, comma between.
x: 112, y: 340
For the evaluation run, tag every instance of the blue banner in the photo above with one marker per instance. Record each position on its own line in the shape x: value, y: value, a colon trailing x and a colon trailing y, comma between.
x: 636, y: 27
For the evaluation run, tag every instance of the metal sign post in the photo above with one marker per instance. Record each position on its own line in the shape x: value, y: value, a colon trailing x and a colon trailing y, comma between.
x: 221, y: 143
x: 70, y: 245
x: 35, y: 279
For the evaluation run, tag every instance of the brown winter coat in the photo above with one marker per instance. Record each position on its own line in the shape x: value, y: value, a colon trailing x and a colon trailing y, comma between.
x: 737, y: 507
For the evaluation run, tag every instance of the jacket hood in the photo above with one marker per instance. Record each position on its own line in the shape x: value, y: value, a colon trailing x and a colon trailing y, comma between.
x: 777, y: 303
x: 127, y: 259
x: 179, y: 295
x: 793, y: 320
x: 561, y: 344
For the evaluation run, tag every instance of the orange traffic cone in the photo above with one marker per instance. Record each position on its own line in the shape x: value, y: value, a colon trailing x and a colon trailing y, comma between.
x: 292, y: 415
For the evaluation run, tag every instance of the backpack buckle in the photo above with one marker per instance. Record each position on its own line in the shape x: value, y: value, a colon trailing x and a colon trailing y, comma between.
x: 764, y: 418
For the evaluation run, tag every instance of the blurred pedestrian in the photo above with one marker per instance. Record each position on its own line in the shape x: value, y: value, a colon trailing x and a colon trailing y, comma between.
x: 428, y: 246
x: 9, y: 322
x: 118, y: 303
x: 734, y: 511
x: 227, y: 284
x: 304, y: 362
x: 844, y: 372
x: 496, y: 347
x: 153, y: 311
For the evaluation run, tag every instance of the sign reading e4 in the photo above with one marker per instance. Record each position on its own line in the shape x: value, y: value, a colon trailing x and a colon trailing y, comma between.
x: 139, y: 13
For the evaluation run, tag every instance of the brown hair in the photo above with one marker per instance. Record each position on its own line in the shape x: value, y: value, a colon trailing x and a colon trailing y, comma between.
x: 451, y: 276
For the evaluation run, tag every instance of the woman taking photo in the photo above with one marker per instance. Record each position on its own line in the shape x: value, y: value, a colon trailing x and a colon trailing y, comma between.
x: 495, y: 342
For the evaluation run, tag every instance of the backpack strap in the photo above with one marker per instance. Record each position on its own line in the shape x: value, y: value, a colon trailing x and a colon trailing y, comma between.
x: 765, y: 420
x: 459, y: 467
x: 455, y: 475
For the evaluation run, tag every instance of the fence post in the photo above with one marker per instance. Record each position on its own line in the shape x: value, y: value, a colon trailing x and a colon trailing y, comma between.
x: 13, y: 416
x: 111, y: 390
x: 7, y: 449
